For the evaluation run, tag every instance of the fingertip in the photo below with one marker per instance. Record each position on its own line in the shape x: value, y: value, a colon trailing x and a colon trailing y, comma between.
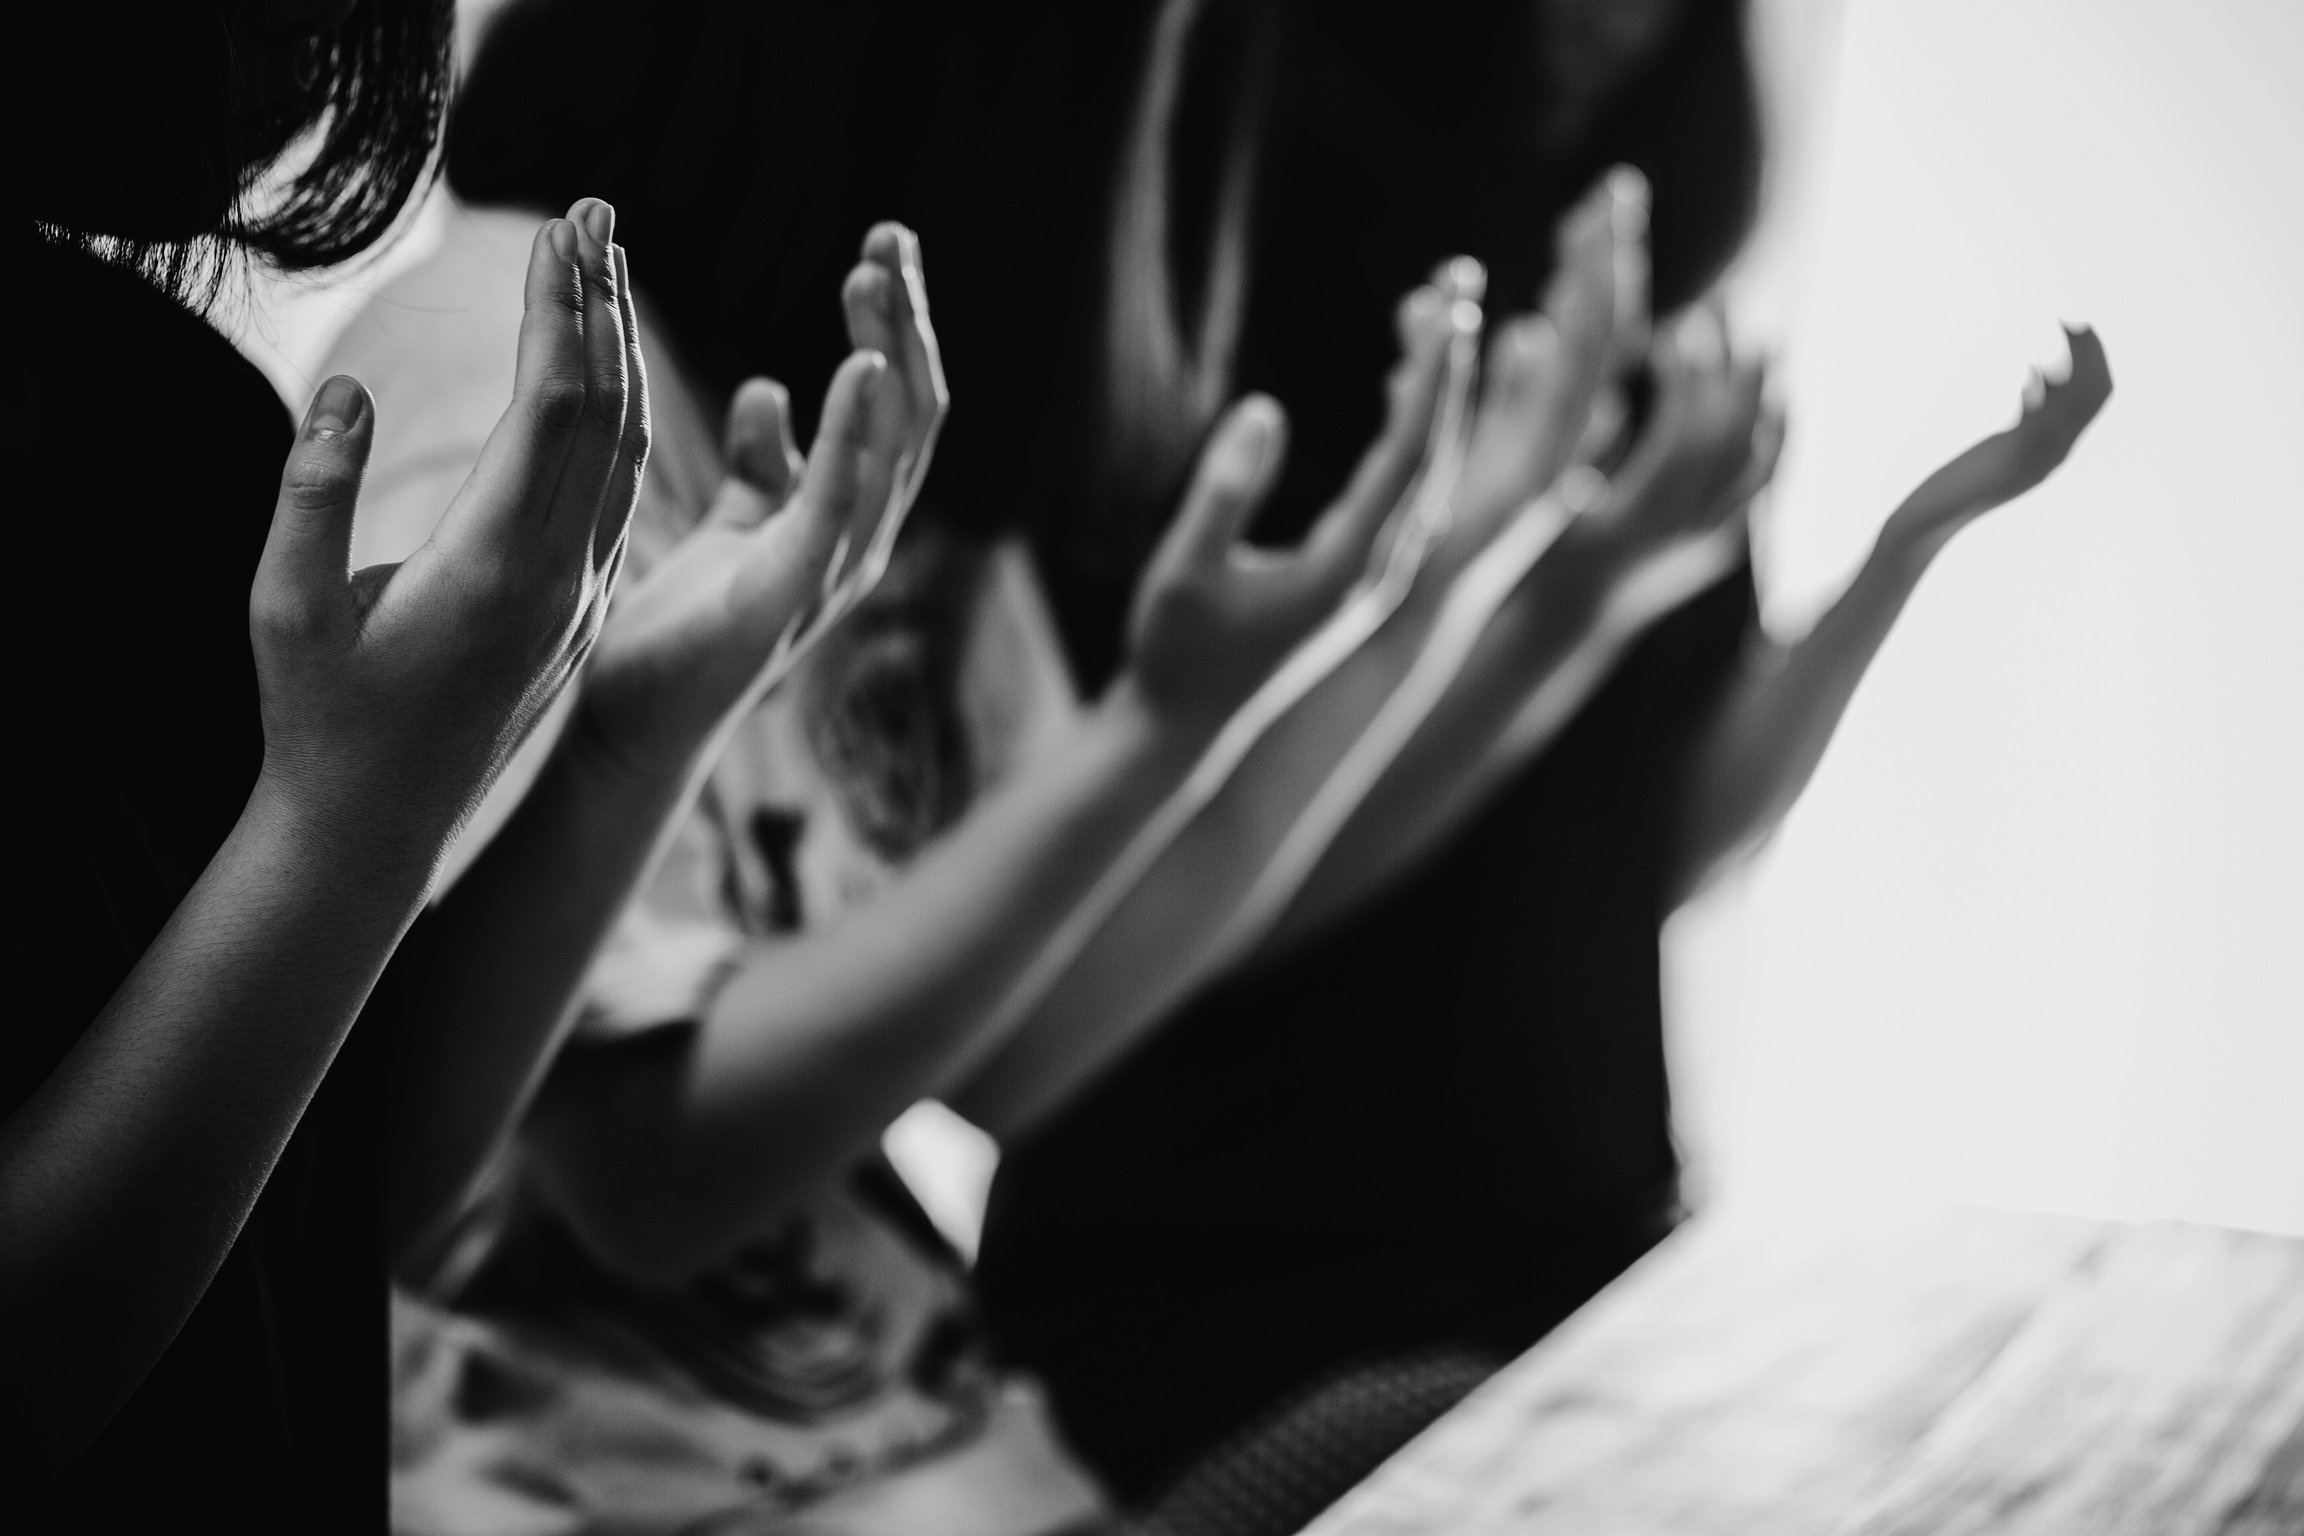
x: 1273, y: 419
x: 867, y: 283
x: 1250, y: 443
x: 755, y: 411
x: 558, y: 237
x: 1465, y: 278
x: 859, y: 381
x: 597, y: 218
x: 339, y: 407
x: 884, y: 243
x: 1419, y: 309
x: 1628, y: 196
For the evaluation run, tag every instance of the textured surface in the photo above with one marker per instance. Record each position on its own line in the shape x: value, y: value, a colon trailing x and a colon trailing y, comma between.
x: 1948, y: 1371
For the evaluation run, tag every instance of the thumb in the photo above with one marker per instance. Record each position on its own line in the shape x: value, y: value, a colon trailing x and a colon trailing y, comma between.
x: 764, y: 466
x: 1236, y: 469
x: 308, y: 554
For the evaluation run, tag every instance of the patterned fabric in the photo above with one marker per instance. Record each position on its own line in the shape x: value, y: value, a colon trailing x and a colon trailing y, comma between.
x: 829, y: 1374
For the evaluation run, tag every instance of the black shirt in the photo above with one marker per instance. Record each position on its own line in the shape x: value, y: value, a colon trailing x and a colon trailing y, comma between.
x: 143, y: 458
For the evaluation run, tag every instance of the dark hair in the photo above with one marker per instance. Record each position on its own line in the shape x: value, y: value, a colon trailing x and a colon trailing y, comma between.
x: 1131, y: 210
x: 150, y: 168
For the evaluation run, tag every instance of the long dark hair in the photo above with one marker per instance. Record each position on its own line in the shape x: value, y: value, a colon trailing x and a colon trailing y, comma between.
x: 145, y: 164
x: 1131, y: 209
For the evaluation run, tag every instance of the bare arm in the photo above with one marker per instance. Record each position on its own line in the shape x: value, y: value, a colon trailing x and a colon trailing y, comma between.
x: 665, y: 1151
x: 1196, y: 909
x: 1561, y: 624
x: 479, y: 1002
x: 389, y: 698
x: 1760, y: 748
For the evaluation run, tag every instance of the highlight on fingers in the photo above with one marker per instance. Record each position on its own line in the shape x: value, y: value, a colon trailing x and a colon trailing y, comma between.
x: 1427, y: 320
x: 549, y: 375
x: 622, y: 492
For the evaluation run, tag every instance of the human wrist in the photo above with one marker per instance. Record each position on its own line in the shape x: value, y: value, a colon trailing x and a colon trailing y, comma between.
x: 1906, y: 549
x: 297, y: 824
x: 606, y: 753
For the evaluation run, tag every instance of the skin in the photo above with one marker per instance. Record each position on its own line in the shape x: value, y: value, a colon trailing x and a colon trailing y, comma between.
x: 390, y: 697
x: 479, y: 1005
x: 1673, y: 524
x: 665, y: 1152
x: 1546, y: 406
x: 1761, y: 748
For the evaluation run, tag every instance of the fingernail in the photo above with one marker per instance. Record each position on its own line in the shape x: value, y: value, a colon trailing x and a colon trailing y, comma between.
x: 334, y: 409
x: 1464, y: 316
x: 563, y: 238
x: 1468, y: 278
x: 600, y: 222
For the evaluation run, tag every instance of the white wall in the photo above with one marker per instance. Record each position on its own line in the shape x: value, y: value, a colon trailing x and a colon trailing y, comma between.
x: 2036, y: 934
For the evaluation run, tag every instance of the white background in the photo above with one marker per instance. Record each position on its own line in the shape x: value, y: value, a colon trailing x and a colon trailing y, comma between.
x: 2036, y: 934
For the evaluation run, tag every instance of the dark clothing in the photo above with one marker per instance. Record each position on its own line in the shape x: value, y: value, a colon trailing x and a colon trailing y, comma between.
x: 143, y: 454
x: 1444, y: 1122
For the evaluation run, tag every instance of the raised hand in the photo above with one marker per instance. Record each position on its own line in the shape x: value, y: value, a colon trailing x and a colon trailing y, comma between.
x: 1708, y: 449
x: 1552, y: 391
x: 392, y: 695
x: 1213, y: 615
x: 2007, y: 464
x: 789, y: 543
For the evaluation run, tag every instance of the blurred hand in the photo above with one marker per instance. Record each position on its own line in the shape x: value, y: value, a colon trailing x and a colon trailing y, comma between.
x: 1552, y: 386
x: 2007, y: 464
x: 789, y: 543
x: 1553, y: 411
x: 1214, y: 616
x: 392, y: 695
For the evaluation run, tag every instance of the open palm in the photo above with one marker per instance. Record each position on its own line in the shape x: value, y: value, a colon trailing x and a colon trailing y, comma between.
x: 789, y: 543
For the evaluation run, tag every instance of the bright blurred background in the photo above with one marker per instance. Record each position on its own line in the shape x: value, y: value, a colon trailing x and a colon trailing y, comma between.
x: 2035, y: 937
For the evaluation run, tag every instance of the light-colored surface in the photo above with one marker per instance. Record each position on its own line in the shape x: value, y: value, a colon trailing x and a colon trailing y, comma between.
x: 2033, y: 937
x: 1945, y: 1370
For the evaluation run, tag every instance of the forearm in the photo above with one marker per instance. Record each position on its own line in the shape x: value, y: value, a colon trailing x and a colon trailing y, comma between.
x: 667, y: 1156
x: 128, y: 1174
x: 1172, y: 928
x: 1764, y: 739
x: 479, y: 998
